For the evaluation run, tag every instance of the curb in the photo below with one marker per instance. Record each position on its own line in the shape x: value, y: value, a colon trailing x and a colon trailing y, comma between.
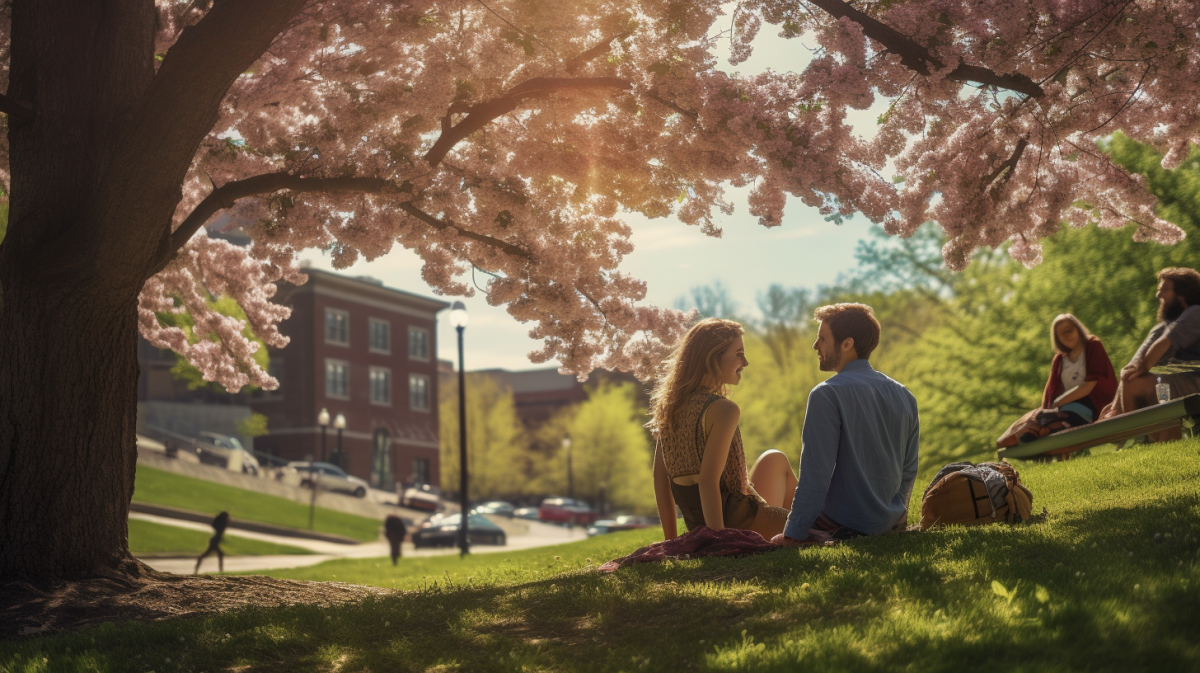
x: 252, y: 526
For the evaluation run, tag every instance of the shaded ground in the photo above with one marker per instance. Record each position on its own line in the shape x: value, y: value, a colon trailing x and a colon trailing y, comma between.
x: 152, y: 596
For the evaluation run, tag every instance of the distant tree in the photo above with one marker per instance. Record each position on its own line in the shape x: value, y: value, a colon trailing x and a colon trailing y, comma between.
x: 254, y: 425
x: 496, y: 445
x: 710, y: 301
x: 610, y: 450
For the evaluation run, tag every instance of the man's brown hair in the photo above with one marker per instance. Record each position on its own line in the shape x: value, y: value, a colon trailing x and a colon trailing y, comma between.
x: 851, y: 321
x: 1185, y: 282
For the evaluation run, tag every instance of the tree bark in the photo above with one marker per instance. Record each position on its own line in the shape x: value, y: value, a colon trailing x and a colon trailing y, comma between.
x: 96, y: 173
x: 68, y: 395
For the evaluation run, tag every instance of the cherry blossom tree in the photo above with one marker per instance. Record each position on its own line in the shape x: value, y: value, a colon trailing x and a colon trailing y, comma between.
x: 502, y: 141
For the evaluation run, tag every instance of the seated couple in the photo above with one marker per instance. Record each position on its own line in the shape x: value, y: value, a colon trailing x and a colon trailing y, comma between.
x: 860, y: 438
x: 1083, y: 386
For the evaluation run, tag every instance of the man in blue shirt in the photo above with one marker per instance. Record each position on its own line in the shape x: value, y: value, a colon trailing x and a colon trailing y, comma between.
x: 861, y: 434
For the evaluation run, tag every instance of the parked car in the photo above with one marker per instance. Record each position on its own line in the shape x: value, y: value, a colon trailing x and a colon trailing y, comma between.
x: 565, y: 510
x: 497, y: 507
x: 213, y: 448
x: 330, y: 477
x: 618, y: 524
x: 420, y: 497
x: 441, y: 530
x: 530, y: 513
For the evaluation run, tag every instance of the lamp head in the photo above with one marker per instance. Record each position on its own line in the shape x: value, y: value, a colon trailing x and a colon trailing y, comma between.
x: 458, y: 315
x: 567, y: 442
x: 323, y: 418
x: 339, y: 423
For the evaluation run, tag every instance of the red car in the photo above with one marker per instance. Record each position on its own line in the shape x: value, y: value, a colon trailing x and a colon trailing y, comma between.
x: 566, y: 510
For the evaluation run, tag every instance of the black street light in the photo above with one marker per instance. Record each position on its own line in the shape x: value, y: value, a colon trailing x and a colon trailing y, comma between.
x: 458, y: 318
x: 570, y: 472
x: 340, y: 424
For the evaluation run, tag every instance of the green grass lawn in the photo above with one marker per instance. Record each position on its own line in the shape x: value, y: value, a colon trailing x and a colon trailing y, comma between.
x: 148, y: 539
x: 1107, y: 581
x: 166, y: 488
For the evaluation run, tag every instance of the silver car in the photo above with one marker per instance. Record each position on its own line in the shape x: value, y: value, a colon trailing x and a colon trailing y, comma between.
x: 329, y: 477
x: 224, y: 451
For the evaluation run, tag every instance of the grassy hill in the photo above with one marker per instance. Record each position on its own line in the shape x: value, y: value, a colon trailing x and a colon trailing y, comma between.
x: 1106, y: 581
x: 147, y: 539
x: 173, y: 490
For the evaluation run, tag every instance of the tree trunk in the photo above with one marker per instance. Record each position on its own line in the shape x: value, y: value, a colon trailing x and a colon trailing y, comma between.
x: 68, y: 407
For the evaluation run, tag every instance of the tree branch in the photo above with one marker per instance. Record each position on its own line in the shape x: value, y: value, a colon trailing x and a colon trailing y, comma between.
x: 226, y: 195
x: 482, y: 114
x: 465, y: 233
x: 1010, y: 165
x: 601, y: 47
x: 915, y: 57
x: 17, y: 112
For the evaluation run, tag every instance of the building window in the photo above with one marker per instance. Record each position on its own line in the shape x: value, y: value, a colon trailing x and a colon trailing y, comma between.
x: 381, y: 385
x: 337, y: 327
x: 381, y: 335
x: 418, y: 392
x: 420, y: 471
x: 381, y: 460
x: 418, y: 343
x: 337, y: 379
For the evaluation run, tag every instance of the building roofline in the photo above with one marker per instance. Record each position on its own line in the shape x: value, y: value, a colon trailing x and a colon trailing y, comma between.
x: 370, y: 288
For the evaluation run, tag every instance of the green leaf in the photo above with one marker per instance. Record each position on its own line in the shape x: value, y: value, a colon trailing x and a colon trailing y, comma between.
x: 1041, y: 594
x: 999, y: 590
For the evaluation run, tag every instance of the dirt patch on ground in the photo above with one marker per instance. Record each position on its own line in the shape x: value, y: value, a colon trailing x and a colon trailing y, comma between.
x: 147, y: 595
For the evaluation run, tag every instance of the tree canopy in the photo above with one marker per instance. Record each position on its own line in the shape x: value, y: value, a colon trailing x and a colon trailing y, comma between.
x: 508, y: 137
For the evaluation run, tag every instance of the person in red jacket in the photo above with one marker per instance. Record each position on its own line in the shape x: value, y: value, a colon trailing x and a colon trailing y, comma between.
x: 1082, y: 380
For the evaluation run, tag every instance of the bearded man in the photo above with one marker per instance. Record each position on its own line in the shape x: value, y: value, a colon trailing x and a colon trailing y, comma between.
x: 861, y: 435
x: 1176, y: 336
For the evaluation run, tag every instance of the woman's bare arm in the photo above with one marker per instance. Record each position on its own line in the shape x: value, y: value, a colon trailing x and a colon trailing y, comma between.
x: 664, y: 498
x: 724, y: 416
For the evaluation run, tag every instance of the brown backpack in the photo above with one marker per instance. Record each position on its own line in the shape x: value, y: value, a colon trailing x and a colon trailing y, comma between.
x: 967, y: 494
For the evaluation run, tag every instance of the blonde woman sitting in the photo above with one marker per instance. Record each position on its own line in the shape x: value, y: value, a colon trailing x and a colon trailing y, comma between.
x: 699, y: 463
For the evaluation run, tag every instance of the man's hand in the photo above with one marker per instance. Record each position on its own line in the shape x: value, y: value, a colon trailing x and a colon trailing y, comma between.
x: 782, y: 540
x: 1132, y: 370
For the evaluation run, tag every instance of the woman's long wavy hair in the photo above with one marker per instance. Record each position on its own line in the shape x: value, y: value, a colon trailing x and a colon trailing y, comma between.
x: 683, y: 373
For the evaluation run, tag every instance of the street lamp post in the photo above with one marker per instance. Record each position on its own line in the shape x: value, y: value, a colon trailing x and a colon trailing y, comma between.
x: 323, y: 421
x: 458, y: 318
x: 570, y: 472
x: 314, y: 475
x: 339, y: 424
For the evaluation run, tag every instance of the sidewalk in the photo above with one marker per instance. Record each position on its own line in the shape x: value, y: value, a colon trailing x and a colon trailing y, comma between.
x: 539, y: 535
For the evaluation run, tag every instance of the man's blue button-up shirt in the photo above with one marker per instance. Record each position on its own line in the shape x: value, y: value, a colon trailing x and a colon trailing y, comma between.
x: 859, y: 459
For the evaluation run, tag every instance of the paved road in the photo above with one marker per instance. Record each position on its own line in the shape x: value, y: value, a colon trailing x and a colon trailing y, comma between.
x: 539, y: 535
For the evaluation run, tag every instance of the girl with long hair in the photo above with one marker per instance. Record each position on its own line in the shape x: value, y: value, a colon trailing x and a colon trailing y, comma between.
x: 699, y: 463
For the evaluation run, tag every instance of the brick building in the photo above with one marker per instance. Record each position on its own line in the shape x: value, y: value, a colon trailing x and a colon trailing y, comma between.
x: 368, y: 352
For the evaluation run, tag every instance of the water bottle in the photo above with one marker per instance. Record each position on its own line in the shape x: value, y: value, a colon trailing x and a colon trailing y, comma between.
x: 1163, y: 390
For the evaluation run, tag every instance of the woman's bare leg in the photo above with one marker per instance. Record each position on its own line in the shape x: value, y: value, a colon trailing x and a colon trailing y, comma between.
x: 773, y: 478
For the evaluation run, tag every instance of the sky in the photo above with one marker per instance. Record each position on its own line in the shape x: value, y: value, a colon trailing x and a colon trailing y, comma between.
x: 673, y: 258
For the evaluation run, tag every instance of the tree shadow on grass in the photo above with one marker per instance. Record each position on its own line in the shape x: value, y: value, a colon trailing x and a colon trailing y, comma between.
x: 879, y: 603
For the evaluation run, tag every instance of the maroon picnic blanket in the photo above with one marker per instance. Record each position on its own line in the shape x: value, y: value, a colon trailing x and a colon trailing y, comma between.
x: 704, y: 541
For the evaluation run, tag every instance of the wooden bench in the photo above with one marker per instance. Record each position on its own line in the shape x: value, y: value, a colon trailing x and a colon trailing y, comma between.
x: 1059, y: 446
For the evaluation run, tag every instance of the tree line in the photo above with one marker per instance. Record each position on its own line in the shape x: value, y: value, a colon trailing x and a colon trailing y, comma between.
x: 973, y: 346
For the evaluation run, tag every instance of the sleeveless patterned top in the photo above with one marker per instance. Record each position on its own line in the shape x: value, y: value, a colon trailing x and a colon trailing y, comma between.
x: 683, y: 447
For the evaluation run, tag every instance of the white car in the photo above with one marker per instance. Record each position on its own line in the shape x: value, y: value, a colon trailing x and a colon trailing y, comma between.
x: 329, y: 477
x: 224, y: 451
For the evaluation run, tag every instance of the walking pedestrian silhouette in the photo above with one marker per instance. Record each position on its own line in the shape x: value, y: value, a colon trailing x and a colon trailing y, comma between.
x: 395, y: 530
x: 214, y: 543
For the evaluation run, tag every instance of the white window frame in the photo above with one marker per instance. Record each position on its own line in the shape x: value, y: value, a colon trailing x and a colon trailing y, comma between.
x: 428, y: 347
x: 325, y: 326
x: 371, y: 323
x: 412, y: 378
x: 331, y: 362
x: 373, y: 371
